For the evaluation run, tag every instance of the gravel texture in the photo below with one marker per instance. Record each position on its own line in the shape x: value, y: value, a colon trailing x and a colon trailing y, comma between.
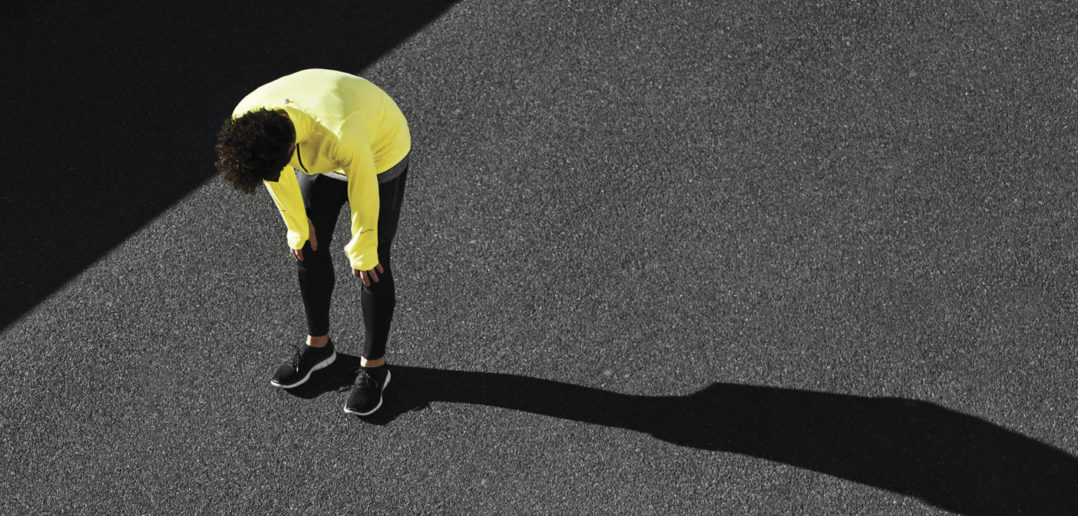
x: 655, y: 257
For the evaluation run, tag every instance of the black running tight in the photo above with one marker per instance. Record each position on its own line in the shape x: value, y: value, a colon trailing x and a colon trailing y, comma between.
x: 323, y: 197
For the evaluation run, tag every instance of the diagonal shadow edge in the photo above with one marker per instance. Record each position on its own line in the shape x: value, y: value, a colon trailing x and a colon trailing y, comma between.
x: 92, y: 193
x: 946, y: 458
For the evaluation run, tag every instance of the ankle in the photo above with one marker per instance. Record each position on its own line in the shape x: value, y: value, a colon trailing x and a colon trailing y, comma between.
x: 372, y: 363
x: 318, y: 342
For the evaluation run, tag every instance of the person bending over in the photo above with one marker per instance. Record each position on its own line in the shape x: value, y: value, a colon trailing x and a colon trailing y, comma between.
x: 317, y: 139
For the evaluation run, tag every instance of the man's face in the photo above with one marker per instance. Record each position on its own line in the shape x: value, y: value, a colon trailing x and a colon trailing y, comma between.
x: 273, y: 178
x: 276, y: 174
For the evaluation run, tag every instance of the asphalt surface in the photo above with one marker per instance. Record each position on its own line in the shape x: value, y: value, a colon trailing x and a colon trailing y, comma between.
x: 654, y: 257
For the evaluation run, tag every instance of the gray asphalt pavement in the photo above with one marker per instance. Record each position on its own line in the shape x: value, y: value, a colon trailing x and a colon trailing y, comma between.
x: 680, y: 257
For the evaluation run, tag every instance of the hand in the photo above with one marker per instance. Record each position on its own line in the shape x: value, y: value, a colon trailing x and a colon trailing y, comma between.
x: 368, y: 276
x: 298, y: 253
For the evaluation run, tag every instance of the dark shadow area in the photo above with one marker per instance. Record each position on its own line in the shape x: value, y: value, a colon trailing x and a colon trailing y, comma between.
x: 112, y: 110
x: 951, y: 460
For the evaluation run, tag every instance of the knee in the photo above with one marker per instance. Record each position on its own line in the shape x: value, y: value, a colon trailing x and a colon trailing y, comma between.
x: 384, y: 289
x: 319, y: 259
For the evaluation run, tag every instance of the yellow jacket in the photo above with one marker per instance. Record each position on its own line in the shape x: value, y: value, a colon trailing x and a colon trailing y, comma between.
x: 344, y: 124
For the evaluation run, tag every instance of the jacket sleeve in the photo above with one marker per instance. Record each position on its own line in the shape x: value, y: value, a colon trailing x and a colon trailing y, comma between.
x: 358, y: 163
x: 286, y: 195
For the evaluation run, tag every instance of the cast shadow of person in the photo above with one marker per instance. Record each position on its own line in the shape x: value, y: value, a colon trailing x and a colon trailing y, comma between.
x: 951, y: 460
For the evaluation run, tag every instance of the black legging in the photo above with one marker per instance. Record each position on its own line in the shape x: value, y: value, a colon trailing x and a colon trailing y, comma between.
x: 323, y: 197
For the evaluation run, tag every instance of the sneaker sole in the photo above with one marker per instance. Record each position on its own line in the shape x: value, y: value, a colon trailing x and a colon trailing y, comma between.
x: 321, y: 365
x: 389, y: 374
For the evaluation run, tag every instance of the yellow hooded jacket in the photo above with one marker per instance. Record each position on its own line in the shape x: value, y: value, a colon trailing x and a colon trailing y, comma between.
x: 344, y: 125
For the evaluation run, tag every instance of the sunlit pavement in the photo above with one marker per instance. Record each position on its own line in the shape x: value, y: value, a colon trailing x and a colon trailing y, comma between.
x: 677, y: 257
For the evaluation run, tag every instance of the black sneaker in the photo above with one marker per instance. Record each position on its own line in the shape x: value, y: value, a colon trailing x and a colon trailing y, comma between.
x: 305, y: 360
x: 366, y: 395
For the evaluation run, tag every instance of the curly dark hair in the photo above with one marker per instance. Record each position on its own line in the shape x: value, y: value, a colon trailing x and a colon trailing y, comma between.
x: 254, y: 147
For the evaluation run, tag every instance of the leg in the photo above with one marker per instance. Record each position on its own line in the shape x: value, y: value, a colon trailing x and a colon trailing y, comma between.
x: 323, y: 198
x: 380, y: 299
x: 315, y: 283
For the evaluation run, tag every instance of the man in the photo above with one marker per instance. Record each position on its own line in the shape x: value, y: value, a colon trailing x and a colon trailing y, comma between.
x: 317, y: 139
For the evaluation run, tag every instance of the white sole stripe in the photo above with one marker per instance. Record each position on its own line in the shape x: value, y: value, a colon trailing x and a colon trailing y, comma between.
x: 389, y: 374
x: 321, y: 365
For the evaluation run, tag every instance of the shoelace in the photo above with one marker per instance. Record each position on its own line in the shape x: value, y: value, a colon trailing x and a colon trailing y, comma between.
x: 364, y: 380
x: 297, y: 355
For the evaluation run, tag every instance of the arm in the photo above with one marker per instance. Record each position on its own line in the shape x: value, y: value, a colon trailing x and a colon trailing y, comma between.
x: 358, y: 163
x: 286, y: 195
